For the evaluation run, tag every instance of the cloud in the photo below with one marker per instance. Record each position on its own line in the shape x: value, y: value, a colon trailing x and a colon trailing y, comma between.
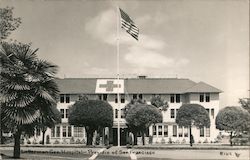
x: 148, y: 52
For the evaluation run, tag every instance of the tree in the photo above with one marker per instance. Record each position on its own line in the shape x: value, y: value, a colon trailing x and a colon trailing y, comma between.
x: 49, y: 117
x: 141, y: 116
x: 91, y: 114
x: 27, y: 87
x: 7, y: 22
x: 158, y: 102
x: 192, y: 115
x: 232, y: 120
x: 245, y: 103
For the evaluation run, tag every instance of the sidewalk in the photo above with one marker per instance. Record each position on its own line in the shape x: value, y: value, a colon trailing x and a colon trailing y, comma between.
x: 194, y: 147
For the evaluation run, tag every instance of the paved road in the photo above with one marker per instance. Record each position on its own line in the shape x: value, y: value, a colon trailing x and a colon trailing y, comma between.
x: 116, y: 153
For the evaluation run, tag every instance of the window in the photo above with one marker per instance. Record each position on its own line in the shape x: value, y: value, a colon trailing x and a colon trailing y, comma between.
x: 67, y: 113
x: 116, y: 113
x: 177, y: 112
x: 159, y: 130
x: 123, y: 113
x: 172, y: 98
x: 207, y: 132
x: 180, y: 130
x: 185, y: 132
x: 62, y: 113
x: 100, y: 97
x: 105, y: 97
x: 69, y: 131
x: 207, y: 111
x: 67, y: 98
x: 61, y: 98
x: 202, y: 132
x: 172, y: 113
x: 174, y: 130
x: 122, y: 98
x: 207, y: 97
x: 178, y: 98
x: 53, y: 132
x: 202, y: 97
x: 154, y: 130
x: 78, y: 131
x: 134, y: 96
x: 58, y: 131
x: 64, y: 131
x: 212, y: 113
x: 140, y: 96
x: 165, y: 130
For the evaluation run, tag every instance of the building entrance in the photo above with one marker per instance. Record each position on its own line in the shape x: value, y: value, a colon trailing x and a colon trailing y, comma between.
x: 123, y: 136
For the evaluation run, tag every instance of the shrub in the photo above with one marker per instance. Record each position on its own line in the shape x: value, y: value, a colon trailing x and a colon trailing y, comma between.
x: 162, y: 141
x: 206, y: 141
x: 170, y: 140
x: 183, y: 141
x: 78, y: 141
x: 177, y: 141
x: 56, y: 142
x: 150, y: 139
x: 72, y: 140
x: 28, y: 141
x: 47, y: 139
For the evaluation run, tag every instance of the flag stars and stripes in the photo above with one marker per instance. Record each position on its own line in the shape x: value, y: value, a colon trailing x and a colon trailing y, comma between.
x: 128, y: 25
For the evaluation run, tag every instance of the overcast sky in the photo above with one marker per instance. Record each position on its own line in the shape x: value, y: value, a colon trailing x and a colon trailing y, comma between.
x: 203, y: 40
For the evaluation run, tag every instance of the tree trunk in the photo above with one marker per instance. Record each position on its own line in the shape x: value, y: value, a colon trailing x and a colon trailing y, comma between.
x: 1, y: 136
x: 143, y: 138
x: 89, y: 131
x: 17, y: 137
x: 191, y: 136
x: 43, y: 140
x: 135, y: 137
x: 231, y: 137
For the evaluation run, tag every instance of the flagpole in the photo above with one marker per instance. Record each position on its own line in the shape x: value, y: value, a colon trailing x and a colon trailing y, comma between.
x: 118, y: 74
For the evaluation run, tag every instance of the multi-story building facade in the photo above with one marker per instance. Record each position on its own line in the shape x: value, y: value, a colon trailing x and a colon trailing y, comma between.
x: 173, y: 90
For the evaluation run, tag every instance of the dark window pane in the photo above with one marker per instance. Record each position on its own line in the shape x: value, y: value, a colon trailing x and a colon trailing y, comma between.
x: 172, y: 113
x: 67, y: 113
x: 202, y: 132
x: 165, y: 130
x: 134, y: 96
x: 67, y: 98
x: 174, y: 130
x: 116, y: 113
x: 178, y: 98
x: 201, y: 97
x: 212, y: 113
x: 154, y: 130
x: 61, y: 98
x: 105, y: 97
x: 207, y: 97
x: 62, y: 113
x: 140, y: 96
x: 172, y: 98
x: 159, y: 130
x: 58, y: 131
x: 69, y: 131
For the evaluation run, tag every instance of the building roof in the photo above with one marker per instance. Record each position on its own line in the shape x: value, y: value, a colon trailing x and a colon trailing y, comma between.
x: 202, y: 87
x: 137, y: 85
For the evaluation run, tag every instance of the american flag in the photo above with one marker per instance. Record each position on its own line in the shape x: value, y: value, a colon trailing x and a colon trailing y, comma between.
x: 129, y: 25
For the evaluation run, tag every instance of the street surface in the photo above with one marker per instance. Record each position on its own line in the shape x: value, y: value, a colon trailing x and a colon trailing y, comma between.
x: 116, y: 153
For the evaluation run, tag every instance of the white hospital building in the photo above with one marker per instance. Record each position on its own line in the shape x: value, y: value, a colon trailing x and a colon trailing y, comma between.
x: 176, y: 91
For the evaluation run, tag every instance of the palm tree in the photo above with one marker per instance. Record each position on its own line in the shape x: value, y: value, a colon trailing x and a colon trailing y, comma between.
x: 27, y: 87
